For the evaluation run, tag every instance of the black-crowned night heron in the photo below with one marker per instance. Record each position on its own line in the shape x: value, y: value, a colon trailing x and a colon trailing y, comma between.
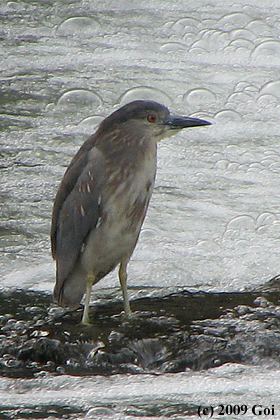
x: 103, y: 198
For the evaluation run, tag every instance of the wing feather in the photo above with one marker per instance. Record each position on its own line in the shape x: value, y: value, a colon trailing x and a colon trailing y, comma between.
x: 76, y: 210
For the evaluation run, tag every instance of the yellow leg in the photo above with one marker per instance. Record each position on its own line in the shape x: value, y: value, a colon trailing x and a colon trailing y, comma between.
x: 123, y: 279
x: 85, y: 319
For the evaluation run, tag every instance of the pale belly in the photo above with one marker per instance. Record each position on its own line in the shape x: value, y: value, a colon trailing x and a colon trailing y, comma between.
x: 116, y: 234
x: 107, y: 247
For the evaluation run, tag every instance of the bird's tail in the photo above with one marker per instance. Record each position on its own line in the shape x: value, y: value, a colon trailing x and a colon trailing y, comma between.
x: 70, y: 291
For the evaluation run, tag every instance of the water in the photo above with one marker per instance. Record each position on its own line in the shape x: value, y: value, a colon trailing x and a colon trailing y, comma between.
x: 132, y: 397
x: 214, y: 220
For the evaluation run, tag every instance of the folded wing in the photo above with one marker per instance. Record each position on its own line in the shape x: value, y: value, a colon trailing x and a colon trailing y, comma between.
x: 77, y: 209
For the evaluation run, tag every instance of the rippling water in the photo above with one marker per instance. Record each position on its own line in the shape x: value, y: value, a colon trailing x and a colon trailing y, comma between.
x: 214, y: 219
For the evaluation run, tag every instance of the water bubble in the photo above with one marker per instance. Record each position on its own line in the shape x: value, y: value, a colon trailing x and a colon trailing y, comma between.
x: 268, y: 52
x: 240, y: 228
x: 242, y: 34
x: 228, y: 115
x: 267, y: 100
x: 255, y: 167
x: 199, y: 96
x: 222, y: 164
x: 233, y: 166
x: 234, y: 21
x: 260, y: 28
x: 251, y: 89
x: 268, y: 223
x: 173, y: 47
x: 243, y: 222
x: 275, y: 167
x: 89, y: 124
x: 78, y: 26
x: 186, y: 25
x: 99, y: 412
x: 78, y: 99
x: 266, y: 218
x: 266, y: 161
x: 146, y: 93
x: 212, y: 40
x: 242, y: 43
x: 271, y: 88
x: 12, y: 5
x: 239, y: 97
x: 148, y: 233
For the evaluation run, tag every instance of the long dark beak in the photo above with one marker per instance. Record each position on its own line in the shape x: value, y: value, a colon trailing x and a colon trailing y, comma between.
x: 175, y: 122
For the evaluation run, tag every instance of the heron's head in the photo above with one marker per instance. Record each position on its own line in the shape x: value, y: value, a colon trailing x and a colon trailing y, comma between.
x: 148, y: 118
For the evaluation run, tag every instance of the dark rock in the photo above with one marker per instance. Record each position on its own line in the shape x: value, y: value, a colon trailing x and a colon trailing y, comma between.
x: 172, y: 333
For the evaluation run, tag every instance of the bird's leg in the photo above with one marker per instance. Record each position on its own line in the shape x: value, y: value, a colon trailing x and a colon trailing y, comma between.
x: 90, y: 281
x: 123, y: 279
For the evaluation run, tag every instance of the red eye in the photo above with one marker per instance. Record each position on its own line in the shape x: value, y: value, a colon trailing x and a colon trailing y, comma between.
x: 152, y: 118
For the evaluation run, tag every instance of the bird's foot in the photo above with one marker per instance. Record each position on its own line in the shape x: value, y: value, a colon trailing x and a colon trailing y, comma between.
x: 130, y: 316
x: 85, y: 322
x: 85, y: 319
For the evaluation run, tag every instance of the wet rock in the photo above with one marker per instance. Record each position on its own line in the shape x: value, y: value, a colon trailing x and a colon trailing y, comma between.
x: 149, y: 352
x: 172, y: 333
x: 42, y: 350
